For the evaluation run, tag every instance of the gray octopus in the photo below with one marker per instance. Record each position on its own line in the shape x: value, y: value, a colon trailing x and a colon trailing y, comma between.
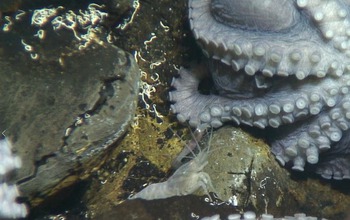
x: 276, y: 63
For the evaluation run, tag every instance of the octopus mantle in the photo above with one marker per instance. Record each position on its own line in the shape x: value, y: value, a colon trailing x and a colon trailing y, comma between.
x: 277, y: 63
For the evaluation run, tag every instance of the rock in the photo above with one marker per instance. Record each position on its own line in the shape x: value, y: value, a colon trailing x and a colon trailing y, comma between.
x: 9, y: 5
x: 243, y: 171
x: 64, y: 102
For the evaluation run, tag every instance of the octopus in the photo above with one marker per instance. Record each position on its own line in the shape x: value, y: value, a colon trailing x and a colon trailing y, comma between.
x: 278, y: 65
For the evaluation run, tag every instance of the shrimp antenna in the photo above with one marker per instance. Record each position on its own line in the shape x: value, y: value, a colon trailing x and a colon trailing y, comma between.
x: 190, y: 145
x: 187, y: 148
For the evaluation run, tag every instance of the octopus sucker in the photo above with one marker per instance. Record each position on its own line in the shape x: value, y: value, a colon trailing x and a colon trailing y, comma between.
x: 296, y: 46
x: 282, y: 72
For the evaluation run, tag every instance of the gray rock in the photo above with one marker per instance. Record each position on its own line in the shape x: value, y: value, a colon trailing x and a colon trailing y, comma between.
x: 244, y: 172
x: 63, y: 109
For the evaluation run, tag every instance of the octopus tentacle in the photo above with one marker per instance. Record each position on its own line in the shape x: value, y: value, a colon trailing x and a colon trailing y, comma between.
x: 318, y: 135
x: 273, y: 53
x: 337, y: 168
x: 187, y: 99
x: 280, y: 106
x: 332, y: 20
x: 336, y: 163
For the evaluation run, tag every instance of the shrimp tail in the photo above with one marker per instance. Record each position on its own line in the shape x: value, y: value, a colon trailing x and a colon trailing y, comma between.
x: 154, y: 191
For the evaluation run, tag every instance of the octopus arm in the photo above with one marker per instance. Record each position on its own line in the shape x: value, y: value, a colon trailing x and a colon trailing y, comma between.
x: 326, y: 132
x: 284, y: 105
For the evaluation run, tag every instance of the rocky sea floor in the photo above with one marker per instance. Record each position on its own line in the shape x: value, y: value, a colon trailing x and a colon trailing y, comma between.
x: 243, y: 171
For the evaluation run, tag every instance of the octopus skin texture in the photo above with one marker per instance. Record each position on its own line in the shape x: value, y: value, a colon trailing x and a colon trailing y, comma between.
x: 279, y: 63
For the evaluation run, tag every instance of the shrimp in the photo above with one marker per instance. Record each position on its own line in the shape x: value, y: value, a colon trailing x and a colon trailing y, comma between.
x: 197, y: 135
x: 187, y: 179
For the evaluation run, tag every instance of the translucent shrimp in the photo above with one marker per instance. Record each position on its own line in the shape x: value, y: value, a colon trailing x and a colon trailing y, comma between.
x: 187, y: 179
x: 197, y: 135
